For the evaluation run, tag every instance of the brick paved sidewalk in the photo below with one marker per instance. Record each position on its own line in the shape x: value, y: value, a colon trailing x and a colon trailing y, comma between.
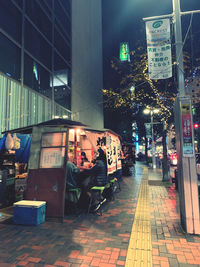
x: 171, y: 246
x: 86, y: 240
x: 90, y: 240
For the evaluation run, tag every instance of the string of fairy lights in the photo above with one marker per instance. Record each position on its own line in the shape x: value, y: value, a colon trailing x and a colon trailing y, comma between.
x: 141, y: 95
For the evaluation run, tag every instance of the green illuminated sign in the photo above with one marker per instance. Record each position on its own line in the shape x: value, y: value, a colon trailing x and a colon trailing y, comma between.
x: 124, y: 52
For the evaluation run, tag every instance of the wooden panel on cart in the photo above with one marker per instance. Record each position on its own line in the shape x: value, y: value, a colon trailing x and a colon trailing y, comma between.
x: 47, y: 185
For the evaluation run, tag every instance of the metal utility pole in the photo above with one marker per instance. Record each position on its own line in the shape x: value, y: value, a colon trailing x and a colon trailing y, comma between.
x: 153, y: 144
x: 179, y: 47
x: 187, y: 175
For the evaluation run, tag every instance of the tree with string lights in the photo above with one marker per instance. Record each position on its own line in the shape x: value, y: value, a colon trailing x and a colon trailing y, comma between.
x: 137, y: 91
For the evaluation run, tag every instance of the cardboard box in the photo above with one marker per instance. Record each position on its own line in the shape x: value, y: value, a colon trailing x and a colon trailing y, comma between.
x: 29, y: 212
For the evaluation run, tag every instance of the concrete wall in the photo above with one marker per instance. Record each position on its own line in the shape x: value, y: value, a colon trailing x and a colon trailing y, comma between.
x: 87, y: 75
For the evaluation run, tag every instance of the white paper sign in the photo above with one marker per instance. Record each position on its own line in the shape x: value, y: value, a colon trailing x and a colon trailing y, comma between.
x: 159, y: 49
x: 52, y: 157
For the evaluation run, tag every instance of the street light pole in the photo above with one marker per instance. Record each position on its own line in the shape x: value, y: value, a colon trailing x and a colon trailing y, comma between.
x: 153, y: 144
x: 179, y: 47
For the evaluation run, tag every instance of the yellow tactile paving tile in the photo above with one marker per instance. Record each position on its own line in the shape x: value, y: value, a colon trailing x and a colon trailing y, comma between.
x: 140, y: 247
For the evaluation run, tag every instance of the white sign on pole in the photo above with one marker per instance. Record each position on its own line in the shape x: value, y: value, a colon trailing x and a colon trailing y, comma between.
x: 159, y: 49
x: 148, y: 130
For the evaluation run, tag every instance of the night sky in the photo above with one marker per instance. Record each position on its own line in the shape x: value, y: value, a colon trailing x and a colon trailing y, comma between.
x: 122, y: 22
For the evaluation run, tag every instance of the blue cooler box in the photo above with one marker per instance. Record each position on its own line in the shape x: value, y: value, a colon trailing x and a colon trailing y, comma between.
x: 29, y: 212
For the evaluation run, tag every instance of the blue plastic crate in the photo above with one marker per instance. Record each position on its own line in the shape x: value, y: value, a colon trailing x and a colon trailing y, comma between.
x: 29, y: 212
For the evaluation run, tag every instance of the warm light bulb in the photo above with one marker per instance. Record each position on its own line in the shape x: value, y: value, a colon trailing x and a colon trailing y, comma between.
x: 156, y: 111
x: 146, y: 111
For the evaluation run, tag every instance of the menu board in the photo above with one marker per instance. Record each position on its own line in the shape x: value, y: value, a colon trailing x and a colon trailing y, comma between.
x: 52, y: 157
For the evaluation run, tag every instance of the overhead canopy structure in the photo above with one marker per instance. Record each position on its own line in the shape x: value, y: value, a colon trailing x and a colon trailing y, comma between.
x: 61, y: 123
x: 50, y: 123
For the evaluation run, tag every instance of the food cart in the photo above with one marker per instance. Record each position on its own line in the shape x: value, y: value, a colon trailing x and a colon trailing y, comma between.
x: 52, y: 144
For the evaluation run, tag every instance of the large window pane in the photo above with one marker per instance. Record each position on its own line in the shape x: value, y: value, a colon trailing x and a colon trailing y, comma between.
x: 59, y: 63
x: 37, y: 45
x: 36, y: 14
x: 10, y: 58
x: 31, y: 76
x: 65, y: 32
x: 47, y: 110
x: 25, y: 107
x: 68, y: 26
x: 15, y: 105
x: 61, y: 70
x: 62, y: 95
x: 45, y: 88
x: 60, y: 14
x: 48, y: 2
x: 43, y: 108
x: 19, y: 3
x: 3, y: 103
x: 47, y: 5
x: 66, y: 4
x: 33, y: 97
x: 61, y: 46
x: 62, y: 112
x: 10, y: 19
x: 36, y: 77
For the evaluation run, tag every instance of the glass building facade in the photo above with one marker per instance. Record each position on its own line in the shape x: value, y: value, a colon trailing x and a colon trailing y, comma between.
x: 35, y: 61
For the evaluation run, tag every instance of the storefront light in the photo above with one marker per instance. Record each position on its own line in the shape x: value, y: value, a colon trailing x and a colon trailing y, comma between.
x: 71, y: 135
x: 78, y: 135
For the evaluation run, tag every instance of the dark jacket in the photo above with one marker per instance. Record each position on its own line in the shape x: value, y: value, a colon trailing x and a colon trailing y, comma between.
x: 98, y: 172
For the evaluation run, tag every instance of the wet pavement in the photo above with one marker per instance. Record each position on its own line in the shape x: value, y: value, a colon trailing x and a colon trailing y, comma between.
x: 140, y: 227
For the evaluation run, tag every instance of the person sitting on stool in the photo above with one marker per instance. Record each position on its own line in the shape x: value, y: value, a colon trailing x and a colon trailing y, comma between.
x: 96, y: 176
x: 72, y: 173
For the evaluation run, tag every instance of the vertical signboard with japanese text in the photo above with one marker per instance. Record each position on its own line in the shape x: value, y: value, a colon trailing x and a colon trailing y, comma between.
x: 159, y: 49
x: 187, y: 133
x: 124, y: 52
x: 113, y: 147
